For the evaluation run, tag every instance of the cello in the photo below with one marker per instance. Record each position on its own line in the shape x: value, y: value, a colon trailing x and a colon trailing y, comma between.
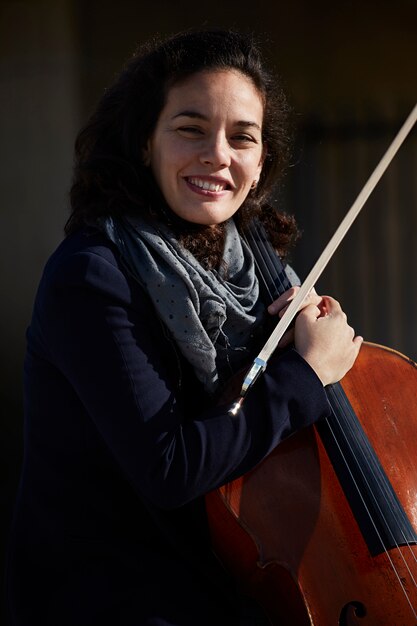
x: 324, y: 531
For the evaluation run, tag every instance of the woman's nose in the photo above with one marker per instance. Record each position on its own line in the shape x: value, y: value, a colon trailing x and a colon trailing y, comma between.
x: 216, y: 151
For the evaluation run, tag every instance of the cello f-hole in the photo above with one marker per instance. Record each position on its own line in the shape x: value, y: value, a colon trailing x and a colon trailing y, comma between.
x: 350, y: 613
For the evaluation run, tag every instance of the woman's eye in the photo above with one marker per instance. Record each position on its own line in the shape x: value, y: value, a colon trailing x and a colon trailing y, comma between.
x: 244, y: 138
x: 190, y: 130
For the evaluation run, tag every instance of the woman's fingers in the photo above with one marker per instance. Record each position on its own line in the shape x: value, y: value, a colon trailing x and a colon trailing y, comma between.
x: 283, y: 301
x: 281, y: 304
x: 326, y: 341
x: 321, y: 334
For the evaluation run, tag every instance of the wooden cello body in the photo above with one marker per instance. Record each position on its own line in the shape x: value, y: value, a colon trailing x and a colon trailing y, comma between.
x: 324, y: 531
x: 287, y: 531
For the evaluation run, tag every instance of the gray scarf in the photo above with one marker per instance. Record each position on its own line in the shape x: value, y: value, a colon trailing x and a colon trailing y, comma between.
x: 212, y: 315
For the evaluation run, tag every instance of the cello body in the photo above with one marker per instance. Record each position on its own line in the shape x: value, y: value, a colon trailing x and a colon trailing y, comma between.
x: 289, y: 534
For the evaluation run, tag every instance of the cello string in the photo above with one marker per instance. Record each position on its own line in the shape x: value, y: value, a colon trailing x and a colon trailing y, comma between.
x: 340, y: 400
x: 393, y: 567
x: 344, y: 405
x: 268, y: 257
x: 266, y: 251
x: 370, y: 516
x: 269, y: 253
x: 258, y: 262
x: 337, y: 393
x: 400, y: 578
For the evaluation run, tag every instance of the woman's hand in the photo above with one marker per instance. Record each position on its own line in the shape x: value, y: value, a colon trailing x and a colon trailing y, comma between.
x: 321, y: 335
x: 281, y: 304
x: 326, y: 341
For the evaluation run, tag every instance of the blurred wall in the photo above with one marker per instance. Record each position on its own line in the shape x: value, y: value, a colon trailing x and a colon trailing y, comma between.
x: 349, y: 67
x: 39, y: 115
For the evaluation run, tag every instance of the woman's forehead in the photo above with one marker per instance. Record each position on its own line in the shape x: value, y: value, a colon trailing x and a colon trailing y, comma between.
x: 220, y: 90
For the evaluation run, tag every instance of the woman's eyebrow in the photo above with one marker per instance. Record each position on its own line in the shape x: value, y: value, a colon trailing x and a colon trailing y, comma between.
x: 201, y: 116
x: 194, y: 114
x: 247, y: 124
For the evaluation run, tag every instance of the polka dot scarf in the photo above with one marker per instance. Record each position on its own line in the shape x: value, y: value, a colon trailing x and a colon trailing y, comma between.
x: 212, y: 318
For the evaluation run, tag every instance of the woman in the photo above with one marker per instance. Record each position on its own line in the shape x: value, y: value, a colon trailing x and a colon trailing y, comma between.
x: 142, y: 315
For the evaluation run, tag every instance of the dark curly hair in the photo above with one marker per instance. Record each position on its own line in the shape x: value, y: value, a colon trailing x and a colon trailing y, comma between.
x: 110, y: 176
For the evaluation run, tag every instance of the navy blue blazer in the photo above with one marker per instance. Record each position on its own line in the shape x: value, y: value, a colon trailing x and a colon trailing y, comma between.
x: 120, y: 447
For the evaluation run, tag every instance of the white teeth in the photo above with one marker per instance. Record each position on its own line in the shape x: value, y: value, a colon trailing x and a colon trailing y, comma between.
x: 204, y: 184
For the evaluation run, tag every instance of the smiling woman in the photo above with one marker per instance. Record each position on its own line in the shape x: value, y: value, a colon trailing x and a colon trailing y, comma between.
x: 143, y: 313
x: 206, y: 151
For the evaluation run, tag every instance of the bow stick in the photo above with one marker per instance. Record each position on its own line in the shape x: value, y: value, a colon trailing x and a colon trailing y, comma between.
x: 260, y: 362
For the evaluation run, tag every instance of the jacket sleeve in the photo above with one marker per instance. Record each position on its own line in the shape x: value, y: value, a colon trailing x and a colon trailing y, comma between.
x: 103, y: 335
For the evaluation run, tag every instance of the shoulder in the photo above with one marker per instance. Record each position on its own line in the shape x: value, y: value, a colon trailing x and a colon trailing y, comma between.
x: 83, y: 246
x: 86, y: 256
x: 87, y: 259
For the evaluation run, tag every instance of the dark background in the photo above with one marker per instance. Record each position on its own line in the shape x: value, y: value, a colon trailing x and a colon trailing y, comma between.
x: 350, y: 71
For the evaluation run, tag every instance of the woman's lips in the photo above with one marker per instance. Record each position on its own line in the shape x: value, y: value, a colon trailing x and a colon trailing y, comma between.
x: 207, y: 186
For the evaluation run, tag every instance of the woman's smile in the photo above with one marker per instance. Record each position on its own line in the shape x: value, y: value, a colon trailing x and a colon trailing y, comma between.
x: 207, y: 185
x: 206, y: 151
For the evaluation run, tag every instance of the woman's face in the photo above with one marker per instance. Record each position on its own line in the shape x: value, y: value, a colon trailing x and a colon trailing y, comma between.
x: 206, y: 150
